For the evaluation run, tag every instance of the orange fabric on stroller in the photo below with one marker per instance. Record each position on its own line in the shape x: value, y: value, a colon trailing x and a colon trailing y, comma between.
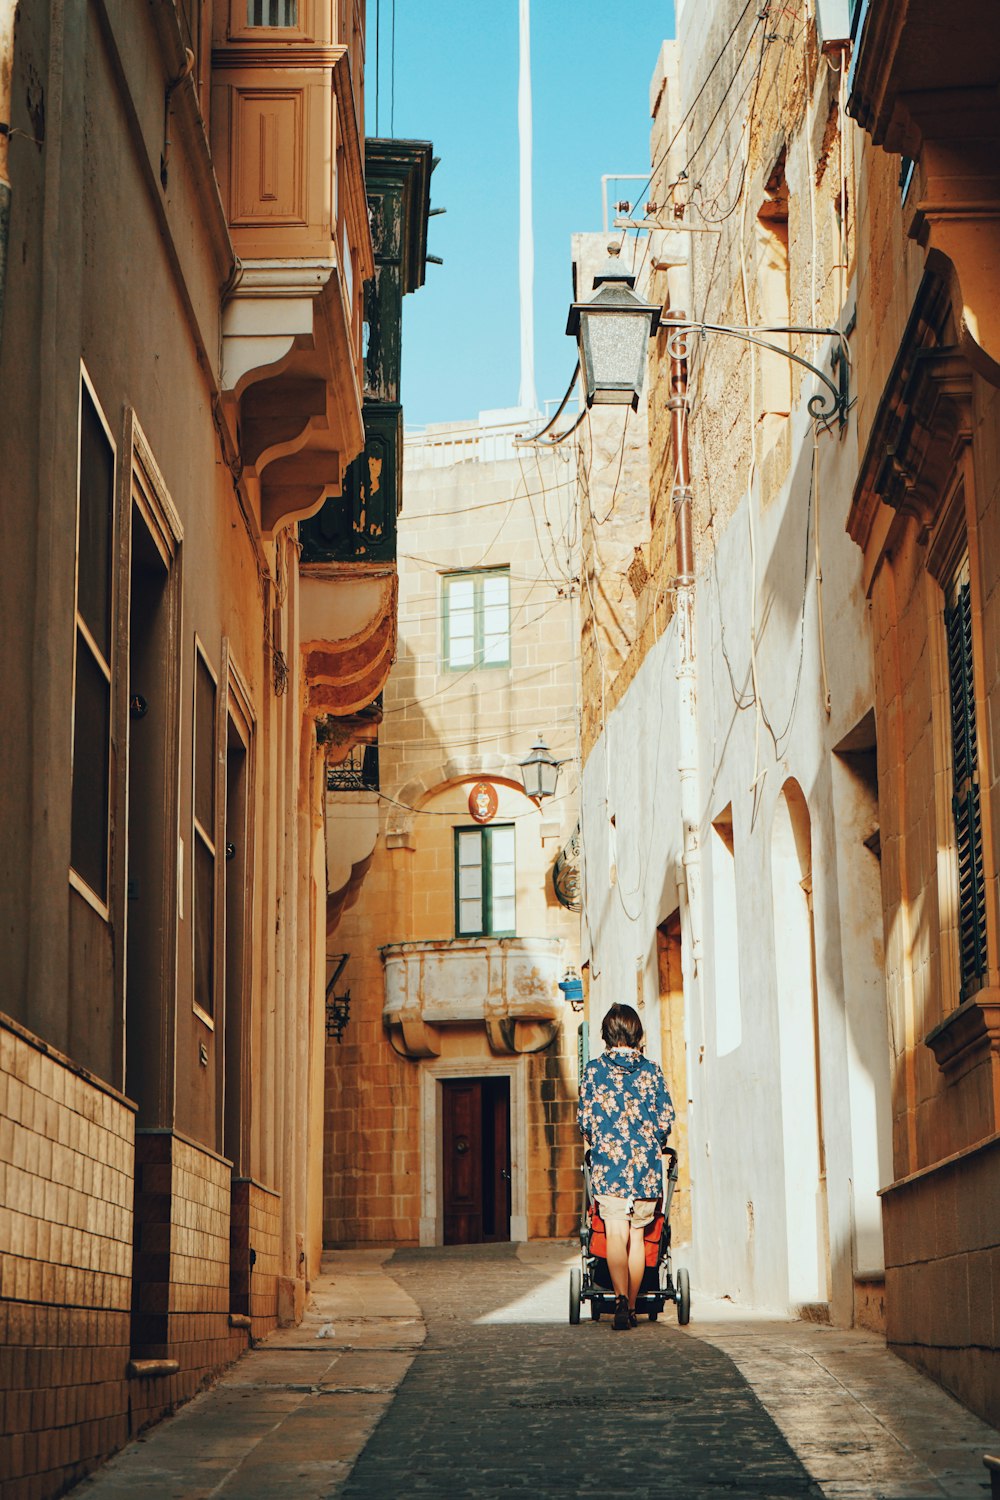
x: 599, y: 1237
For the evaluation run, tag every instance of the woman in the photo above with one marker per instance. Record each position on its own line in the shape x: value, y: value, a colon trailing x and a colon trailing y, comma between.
x: 625, y: 1116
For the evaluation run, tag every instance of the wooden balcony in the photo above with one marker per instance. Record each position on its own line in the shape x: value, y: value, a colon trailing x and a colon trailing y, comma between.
x: 923, y: 84
x: 289, y: 160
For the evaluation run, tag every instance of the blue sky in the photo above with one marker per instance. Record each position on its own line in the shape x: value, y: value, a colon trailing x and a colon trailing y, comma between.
x: 456, y: 85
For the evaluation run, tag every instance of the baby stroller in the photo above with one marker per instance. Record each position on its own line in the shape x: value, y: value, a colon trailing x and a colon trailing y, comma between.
x: 591, y: 1280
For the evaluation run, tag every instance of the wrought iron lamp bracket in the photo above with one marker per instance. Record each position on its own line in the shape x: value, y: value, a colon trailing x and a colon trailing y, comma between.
x: 823, y: 405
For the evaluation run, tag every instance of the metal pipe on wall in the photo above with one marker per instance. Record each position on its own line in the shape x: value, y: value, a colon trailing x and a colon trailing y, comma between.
x: 684, y: 586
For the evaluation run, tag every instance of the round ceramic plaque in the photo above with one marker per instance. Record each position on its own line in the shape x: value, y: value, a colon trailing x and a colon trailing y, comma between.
x: 483, y: 802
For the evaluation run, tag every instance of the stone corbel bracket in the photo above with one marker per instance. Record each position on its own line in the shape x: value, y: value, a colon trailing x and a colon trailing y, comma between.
x: 344, y: 674
x: 923, y: 422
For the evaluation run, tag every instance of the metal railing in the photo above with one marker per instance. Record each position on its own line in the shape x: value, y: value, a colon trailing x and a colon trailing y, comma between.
x: 358, y: 773
x: 484, y: 442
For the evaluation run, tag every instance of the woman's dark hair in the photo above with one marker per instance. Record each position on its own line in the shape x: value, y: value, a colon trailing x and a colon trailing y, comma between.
x: 621, y: 1027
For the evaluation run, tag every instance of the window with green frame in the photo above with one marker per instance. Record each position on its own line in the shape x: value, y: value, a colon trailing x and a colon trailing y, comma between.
x: 476, y: 618
x: 485, y: 881
x: 965, y: 786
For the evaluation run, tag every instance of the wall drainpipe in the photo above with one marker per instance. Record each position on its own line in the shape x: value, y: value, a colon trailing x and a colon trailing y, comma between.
x: 8, y: 15
x: 684, y: 594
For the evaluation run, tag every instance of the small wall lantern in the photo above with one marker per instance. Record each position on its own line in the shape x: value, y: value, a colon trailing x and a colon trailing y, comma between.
x: 613, y: 330
x: 539, y: 771
x: 572, y: 987
x: 338, y: 1013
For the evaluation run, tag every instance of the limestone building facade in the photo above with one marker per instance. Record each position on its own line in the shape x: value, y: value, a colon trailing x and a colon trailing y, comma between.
x: 924, y: 513
x: 729, y: 775
x: 799, y: 863
x: 451, y: 1090
x: 182, y: 369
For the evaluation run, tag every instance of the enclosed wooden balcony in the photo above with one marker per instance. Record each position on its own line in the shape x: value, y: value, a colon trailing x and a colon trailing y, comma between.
x: 289, y: 158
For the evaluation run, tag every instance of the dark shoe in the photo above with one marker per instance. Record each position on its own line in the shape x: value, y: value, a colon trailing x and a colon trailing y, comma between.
x: 621, y: 1315
x: 633, y: 1321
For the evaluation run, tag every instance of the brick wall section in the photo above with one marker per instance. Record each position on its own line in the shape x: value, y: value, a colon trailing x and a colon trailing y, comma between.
x: 256, y: 1226
x: 66, y: 1151
x: 181, y: 1289
x: 942, y: 1251
x: 372, y: 1171
x: 554, y: 1146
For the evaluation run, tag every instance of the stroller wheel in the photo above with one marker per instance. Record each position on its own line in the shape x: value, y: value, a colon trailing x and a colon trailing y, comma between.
x: 683, y: 1296
x: 574, y: 1295
x: 595, y: 1310
x: 652, y: 1316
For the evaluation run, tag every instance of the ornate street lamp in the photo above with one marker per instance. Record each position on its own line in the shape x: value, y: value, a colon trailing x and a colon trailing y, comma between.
x: 539, y: 771
x: 613, y: 330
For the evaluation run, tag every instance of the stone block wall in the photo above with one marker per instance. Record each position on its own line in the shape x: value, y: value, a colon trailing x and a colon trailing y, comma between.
x: 66, y: 1152
x: 255, y: 1254
x: 181, y: 1269
x: 942, y: 1250
x: 554, y: 1147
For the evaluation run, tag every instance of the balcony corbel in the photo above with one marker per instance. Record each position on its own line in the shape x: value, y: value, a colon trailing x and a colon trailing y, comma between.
x: 349, y: 635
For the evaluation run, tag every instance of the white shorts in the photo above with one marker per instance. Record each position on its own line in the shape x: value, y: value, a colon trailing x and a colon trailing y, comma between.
x: 643, y: 1210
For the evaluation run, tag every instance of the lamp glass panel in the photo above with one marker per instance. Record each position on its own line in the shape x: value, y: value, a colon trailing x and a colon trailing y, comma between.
x: 614, y: 350
x: 532, y: 778
x: 549, y: 775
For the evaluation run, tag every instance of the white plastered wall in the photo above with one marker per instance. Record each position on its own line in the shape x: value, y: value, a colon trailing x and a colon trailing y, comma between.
x: 743, y: 1219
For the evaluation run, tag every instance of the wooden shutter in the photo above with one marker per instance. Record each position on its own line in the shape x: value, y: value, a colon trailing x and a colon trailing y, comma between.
x: 965, y: 793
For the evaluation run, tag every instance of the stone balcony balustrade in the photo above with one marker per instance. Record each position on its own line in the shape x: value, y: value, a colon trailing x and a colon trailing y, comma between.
x: 509, y: 985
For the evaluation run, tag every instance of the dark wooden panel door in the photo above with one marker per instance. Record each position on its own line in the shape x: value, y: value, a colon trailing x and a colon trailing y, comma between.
x: 476, y: 1152
x: 496, y: 1158
x: 463, y: 1161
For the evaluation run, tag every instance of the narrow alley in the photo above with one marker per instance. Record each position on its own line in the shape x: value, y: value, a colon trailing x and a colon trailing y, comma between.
x: 500, y: 600
x: 454, y: 1372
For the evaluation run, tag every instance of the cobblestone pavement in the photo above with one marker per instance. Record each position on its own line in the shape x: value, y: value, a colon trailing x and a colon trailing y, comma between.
x: 503, y: 1398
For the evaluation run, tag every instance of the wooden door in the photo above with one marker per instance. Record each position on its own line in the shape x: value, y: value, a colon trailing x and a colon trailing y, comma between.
x: 476, y: 1152
x: 463, y: 1161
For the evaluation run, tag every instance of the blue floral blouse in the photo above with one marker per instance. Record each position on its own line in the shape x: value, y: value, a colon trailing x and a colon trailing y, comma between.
x: 625, y: 1116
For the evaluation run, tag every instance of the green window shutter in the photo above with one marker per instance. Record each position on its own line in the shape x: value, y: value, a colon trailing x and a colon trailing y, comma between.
x: 958, y: 625
x: 965, y: 798
x: 971, y: 895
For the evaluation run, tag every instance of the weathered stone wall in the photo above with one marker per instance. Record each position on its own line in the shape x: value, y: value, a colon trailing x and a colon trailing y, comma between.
x: 783, y: 693
x: 465, y: 507
x: 66, y: 1158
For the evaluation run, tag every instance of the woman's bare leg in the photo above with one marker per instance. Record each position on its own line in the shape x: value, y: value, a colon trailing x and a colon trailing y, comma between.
x: 636, y: 1262
x: 618, y: 1254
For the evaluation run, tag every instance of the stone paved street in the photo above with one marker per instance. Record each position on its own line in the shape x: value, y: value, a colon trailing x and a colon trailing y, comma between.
x: 503, y: 1397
